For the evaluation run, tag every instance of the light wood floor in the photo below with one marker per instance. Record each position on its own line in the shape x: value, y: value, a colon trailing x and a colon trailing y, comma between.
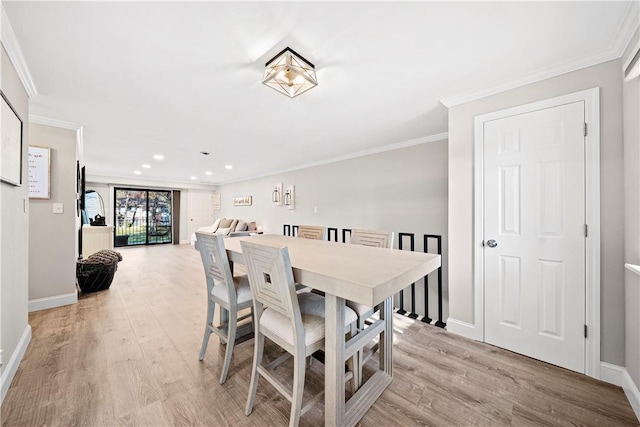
x: 129, y: 356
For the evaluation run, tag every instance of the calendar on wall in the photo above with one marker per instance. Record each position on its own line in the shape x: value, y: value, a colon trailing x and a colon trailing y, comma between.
x: 39, y: 172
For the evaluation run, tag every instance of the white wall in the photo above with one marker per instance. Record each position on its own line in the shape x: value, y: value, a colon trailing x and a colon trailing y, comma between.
x: 14, y: 241
x: 631, y: 108
x: 105, y: 185
x: 52, y: 237
x: 403, y: 190
x: 461, y: 140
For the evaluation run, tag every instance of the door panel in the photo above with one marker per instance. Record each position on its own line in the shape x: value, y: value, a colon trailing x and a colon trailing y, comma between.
x: 200, y: 209
x: 534, y: 195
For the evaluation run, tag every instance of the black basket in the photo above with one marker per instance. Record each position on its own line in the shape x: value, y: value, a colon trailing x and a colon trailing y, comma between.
x: 96, y: 272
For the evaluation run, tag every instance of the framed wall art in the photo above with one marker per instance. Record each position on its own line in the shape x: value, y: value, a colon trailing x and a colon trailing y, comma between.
x: 10, y: 144
x: 242, y: 201
x: 39, y: 172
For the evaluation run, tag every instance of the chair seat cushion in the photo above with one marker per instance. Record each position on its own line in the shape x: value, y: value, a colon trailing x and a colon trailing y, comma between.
x: 360, y: 309
x: 312, y: 309
x: 243, y: 291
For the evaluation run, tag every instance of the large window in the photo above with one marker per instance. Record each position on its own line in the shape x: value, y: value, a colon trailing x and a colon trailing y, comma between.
x: 142, y: 217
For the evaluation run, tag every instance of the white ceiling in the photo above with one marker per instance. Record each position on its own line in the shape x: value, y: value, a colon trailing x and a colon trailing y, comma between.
x: 179, y: 78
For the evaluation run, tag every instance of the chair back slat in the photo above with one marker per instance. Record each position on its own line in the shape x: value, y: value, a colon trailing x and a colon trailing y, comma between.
x: 271, y: 278
x: 214, y: 259
x: 312, y: 232
x: 378, y: 239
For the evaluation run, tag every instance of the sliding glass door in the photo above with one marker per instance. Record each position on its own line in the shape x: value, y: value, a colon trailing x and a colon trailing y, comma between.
x: 143, y: 217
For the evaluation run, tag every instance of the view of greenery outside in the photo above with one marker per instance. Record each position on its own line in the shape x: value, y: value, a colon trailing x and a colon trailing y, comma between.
x: 142, y: 217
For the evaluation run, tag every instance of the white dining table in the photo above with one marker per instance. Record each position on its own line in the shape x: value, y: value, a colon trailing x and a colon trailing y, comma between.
x: 362, y: 274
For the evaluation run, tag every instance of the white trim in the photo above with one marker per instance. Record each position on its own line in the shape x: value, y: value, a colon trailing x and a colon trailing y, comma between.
x: 377, y: 150
x: 10, y: 370
x: 631, y: 390
x: 591, y: 98
x: 185, y: 242
x: 634, y: 268
x: 611, y: 373
x: 464, y: 329
x: 623, y: 37
x: 118, y: 181
x: 630, y: 24
x: 46, y: 121
x: 11, y: 45
x: 52, y: 302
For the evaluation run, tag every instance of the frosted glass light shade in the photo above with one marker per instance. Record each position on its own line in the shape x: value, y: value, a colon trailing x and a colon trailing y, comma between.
x: 289, y: 73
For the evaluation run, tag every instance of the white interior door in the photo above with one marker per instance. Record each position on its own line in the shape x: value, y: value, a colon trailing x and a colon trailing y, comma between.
x: 534, y: 234
x: 200, y: 209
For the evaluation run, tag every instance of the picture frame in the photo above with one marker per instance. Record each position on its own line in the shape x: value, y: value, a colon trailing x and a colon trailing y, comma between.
x: 10, y: 144
x: 242, y: 201
x: 39, y: 172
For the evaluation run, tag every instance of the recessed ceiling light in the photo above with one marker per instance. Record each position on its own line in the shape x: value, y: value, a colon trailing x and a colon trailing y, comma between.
x: 137, y: 172
x: 228, y: 167
x: 146, y: 166
x: 194, y: 177
x: 208, y: 173
x: 158, y: 157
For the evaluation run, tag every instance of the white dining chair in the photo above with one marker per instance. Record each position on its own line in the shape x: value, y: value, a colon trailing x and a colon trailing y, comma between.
x: 231, y: 293
x: 377, y: 239
x: 312, y: 232
x: 293, y: 321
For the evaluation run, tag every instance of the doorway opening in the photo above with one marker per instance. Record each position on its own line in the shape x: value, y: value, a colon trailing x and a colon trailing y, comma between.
x: 142, y: 217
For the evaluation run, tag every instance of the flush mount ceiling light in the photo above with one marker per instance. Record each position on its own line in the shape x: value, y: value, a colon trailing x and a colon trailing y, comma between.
x: 290, y: 73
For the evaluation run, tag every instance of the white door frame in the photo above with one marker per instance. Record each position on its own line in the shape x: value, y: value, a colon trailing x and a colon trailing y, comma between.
x: 591, y: 98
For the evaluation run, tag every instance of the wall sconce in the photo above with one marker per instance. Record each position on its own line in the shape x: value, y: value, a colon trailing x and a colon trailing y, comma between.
x: 289, y: 197
x: 276, y: 196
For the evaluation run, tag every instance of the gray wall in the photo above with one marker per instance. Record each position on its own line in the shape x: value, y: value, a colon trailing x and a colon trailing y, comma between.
x: 14, y: 229
x: 631, y: 108
x: 461, y: 139
x: 403, y: 190
x: 52, y: 272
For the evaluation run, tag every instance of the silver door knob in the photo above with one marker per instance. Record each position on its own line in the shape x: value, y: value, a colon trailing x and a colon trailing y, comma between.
x: 492, y: 243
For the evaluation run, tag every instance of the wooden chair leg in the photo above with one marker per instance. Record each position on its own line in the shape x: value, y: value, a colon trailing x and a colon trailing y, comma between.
x: 258, y: 350
x: 231, y: 342
x: 299, y: 368
x: 211, y: 306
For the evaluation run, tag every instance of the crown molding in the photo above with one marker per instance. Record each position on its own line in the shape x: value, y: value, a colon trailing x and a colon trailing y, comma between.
x: 10, y: 43
x: 147, y: 182
x: 473, y: 95
x: 46, y: 121
x: 377, y: 150
x: 623, y: 38
x: 629, y: 26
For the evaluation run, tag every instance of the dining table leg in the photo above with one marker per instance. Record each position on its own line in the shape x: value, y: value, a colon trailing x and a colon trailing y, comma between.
x: 334, y: 361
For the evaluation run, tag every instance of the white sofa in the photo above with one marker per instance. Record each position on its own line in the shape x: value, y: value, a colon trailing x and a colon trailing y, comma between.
x: 227, y: 227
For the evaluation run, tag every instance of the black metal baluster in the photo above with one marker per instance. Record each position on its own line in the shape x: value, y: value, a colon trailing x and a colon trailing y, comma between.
x: 439, y: 322
x: 335, y: 231
x: 426, y: 318
x: 413, y: 285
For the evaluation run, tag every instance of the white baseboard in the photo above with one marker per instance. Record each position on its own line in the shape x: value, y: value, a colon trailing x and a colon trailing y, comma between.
x: 465, y: 329
x: 611, y: 374
x: 631, y: 390
x: 184, y: 242
x: 11, y: 368
x: 617, y: 375
x: 52, y: 302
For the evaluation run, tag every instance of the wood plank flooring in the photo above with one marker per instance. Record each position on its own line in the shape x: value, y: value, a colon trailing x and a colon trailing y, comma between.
x: 128, y: 356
